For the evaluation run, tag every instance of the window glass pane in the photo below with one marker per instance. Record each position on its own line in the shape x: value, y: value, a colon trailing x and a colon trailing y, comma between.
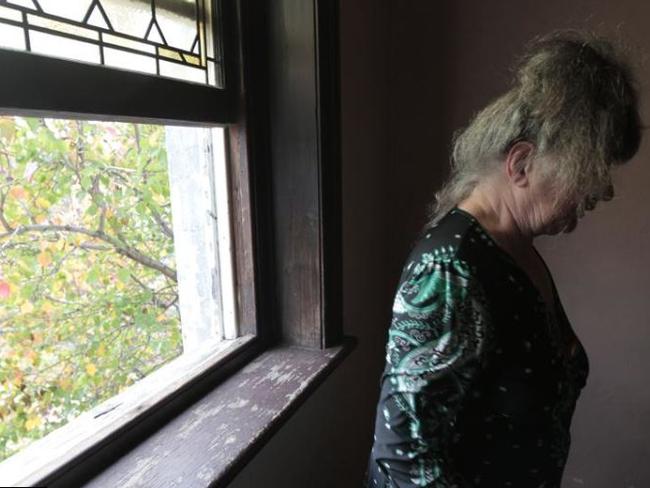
x: 177, y: 70
x: 107, y: 263
x: 49, y: 44
x: 70, y: 9
x: 63, y: 28
x: 130, y: 17
x: 12, y: 37
x: 10, y: 14
x: 127, y: 60
x: 178, y: 30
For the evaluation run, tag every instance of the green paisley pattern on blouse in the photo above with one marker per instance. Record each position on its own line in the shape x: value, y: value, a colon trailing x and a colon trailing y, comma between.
x: 436, y: 339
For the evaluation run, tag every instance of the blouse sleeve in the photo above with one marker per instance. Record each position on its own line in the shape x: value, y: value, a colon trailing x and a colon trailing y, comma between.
x: 435, y: 343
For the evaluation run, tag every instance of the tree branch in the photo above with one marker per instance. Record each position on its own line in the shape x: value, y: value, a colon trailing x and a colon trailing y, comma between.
x: 163, y: 225
x: 119, y: 246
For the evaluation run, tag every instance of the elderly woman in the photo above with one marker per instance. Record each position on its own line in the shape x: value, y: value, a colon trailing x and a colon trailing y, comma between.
x: 483, y: 369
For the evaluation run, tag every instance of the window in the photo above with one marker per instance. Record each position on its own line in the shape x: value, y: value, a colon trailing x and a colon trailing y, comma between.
x: 242, y: 134
x: 117, y: 267
x: 165, y: 37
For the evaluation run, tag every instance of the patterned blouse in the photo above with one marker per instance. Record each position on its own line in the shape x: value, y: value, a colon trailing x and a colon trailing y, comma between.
x: 481, y: 379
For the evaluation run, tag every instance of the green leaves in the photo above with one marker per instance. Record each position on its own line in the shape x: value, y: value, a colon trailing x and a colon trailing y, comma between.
x: 81, y: 319
x: 7, y: 129
x: 93, y: 275
x: 124, y: 275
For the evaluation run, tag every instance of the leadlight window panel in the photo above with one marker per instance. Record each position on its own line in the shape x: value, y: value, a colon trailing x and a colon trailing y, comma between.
x: 169, y: 38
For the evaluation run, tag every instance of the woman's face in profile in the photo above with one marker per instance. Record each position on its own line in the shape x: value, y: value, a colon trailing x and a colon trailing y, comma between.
x: 565, y: 210
x: 554, y: 210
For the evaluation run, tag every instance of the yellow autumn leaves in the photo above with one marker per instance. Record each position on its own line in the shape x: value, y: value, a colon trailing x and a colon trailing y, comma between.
x: 42, y: 203
x: 65, y: 381
x: 44, y: 257
x: 32, y: 422
x: 28, y: 307
x: 21, y: 193
x: 91, y: 369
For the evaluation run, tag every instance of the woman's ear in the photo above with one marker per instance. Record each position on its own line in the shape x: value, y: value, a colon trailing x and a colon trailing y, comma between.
x: 518, y: 163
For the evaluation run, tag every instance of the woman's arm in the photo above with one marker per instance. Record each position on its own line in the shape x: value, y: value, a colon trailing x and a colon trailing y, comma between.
x: 436, y: 339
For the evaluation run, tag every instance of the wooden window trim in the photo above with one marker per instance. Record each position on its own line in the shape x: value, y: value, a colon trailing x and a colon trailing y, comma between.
x: 285, y: 161
x: 185, y: 450
x: 285, y: 185
x: 41, y: 85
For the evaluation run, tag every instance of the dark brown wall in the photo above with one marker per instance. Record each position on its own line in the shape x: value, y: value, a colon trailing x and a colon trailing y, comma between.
x: 601, y: 269
x: 412, y: 72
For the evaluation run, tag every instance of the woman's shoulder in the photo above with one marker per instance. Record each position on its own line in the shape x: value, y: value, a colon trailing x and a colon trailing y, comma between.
x: 454, y: 239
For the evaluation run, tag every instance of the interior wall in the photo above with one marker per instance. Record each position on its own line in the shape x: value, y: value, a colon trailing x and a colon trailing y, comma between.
x: 413, y: 72
x: 601, y: 269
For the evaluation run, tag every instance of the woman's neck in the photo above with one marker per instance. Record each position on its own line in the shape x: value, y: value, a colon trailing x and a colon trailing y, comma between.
x: 498, y: 219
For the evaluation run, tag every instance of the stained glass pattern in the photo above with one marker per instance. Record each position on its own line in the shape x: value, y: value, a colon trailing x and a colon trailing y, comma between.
x: 172, y: 38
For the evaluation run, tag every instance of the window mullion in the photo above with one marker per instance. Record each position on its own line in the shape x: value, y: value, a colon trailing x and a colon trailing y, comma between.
x: 219, y: 178
x: 195, y: 240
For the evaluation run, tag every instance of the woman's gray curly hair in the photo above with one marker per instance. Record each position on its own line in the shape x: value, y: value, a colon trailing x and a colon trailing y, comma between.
x: 575, y: 97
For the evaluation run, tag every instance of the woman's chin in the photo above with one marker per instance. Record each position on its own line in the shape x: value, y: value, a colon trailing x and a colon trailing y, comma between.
x: 554, y: 229
x: 561, y: 226
x: 571, y: 225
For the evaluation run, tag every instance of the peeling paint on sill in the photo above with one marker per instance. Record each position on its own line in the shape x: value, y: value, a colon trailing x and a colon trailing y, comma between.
x: 212, y: 440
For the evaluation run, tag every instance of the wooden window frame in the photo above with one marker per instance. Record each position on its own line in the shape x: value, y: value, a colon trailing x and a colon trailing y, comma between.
x: 281, y: 106
x: 286, y: 145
